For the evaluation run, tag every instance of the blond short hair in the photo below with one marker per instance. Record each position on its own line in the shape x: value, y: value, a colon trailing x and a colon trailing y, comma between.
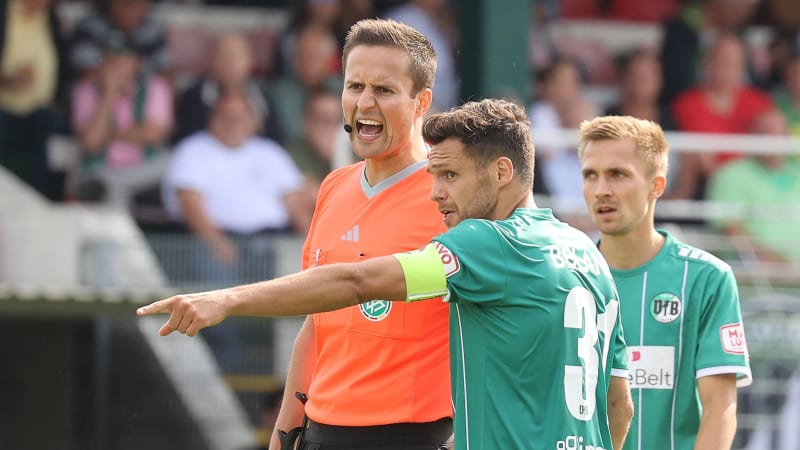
x: 647, y: 136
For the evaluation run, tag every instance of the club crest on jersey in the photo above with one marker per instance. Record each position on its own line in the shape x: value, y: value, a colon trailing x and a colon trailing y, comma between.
x: 451, y: 263
x: 665, y: 307
x: 375, y: 310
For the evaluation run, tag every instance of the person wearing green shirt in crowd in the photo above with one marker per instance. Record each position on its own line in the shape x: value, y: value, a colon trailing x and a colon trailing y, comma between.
x: 767, y: 188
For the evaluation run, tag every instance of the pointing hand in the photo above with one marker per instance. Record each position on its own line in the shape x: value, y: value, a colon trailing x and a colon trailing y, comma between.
x: 189, y: 313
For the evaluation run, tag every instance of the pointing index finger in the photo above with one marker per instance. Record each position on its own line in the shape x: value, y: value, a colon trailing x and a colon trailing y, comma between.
x: 161, y: 306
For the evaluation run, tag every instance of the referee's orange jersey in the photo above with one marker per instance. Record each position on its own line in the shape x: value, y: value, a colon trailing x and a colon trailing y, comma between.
x: 380, y: 362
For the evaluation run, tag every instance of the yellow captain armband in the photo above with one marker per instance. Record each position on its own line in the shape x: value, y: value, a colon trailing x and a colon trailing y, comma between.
x: 424, y: 273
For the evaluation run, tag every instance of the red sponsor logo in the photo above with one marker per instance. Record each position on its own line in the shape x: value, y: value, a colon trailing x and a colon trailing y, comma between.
x: 732, y: 339
x: 451, y: 263
x: 636, y: 355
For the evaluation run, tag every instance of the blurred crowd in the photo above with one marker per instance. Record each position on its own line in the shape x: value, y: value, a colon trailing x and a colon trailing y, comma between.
x: 238, y: 149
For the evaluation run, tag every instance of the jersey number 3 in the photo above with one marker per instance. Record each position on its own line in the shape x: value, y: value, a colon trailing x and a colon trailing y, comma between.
x: 580, y: 382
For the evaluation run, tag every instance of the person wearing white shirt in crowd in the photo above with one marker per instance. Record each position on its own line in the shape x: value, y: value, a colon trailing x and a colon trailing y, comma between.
x: 226, y: 182
x: 235, y: 192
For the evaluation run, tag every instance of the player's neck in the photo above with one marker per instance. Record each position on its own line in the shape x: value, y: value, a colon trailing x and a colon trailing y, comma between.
x: 631, y: 250
x: 509, y: 199
x: 525, y: 200
x: 378, y: 170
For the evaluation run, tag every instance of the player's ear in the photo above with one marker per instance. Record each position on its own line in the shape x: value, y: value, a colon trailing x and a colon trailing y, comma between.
x: 659, y: 185
x: 425, y: 97
x: 504, y: 169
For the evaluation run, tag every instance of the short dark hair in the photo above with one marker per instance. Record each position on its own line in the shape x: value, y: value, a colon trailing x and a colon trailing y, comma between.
x: 388, y: 33
x: 489, y: 129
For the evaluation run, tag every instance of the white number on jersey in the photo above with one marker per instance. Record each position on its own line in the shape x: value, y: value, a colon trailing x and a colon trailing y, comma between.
x: 580, y: 382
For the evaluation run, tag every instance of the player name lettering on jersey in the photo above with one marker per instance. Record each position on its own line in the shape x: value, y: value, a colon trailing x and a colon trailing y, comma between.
x: 573, y: 442
x: 651, y: 367
x: 564, y: 257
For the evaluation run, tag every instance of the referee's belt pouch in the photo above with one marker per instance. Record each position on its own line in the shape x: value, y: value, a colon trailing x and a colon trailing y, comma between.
x: 289, y: 439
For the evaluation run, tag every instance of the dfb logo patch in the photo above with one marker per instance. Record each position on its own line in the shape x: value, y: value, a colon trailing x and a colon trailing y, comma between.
x: 375, y: 310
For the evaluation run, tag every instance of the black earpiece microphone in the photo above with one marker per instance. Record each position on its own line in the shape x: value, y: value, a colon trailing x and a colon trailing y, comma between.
x: 348, y: 129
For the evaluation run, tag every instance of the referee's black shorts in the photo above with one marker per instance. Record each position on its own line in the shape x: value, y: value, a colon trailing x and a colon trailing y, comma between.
x: 398, y: 436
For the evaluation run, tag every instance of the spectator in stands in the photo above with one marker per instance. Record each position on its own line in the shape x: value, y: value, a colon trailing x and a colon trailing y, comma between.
x: 314, y: 66
x: 323, y: 14
x: 233, y: 190
x: 322, y: 125
x: 559, y: 88
x: 780, y: 52
x: 230, y: 69
x: 782, y: 18
x: 787, y: 96
x: 32, y: 74
x: 433, y: 19
x: 122, y: 118
x: 128, y: 20
x: 350, y: 12
x: 722, y: 103
x: 562, y: 173
x: 768, y: 187
x: 688, y: 38
x: 640, y: 86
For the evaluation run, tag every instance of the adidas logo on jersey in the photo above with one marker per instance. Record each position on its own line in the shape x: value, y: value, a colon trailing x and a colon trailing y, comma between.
x: 351, y: 235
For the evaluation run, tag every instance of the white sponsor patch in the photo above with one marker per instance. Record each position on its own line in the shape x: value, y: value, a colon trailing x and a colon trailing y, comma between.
x: 651, y: 367
x: 732, y: 338
x: 451, y: 264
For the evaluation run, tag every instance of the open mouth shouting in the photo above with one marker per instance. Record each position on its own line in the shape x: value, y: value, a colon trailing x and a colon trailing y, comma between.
x: 369, y: 129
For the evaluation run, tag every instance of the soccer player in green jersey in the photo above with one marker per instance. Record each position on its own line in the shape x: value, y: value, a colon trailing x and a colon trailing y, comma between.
x: 680, y: 305
x: 537, y: 352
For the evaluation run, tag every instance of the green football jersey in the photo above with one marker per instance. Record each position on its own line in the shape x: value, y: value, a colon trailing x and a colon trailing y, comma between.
x: 534, y: 334
x: 682, y: 321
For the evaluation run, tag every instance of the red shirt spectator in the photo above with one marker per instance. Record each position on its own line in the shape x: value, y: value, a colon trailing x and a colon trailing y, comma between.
x: 721, y: 103
x: 694, y: 112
